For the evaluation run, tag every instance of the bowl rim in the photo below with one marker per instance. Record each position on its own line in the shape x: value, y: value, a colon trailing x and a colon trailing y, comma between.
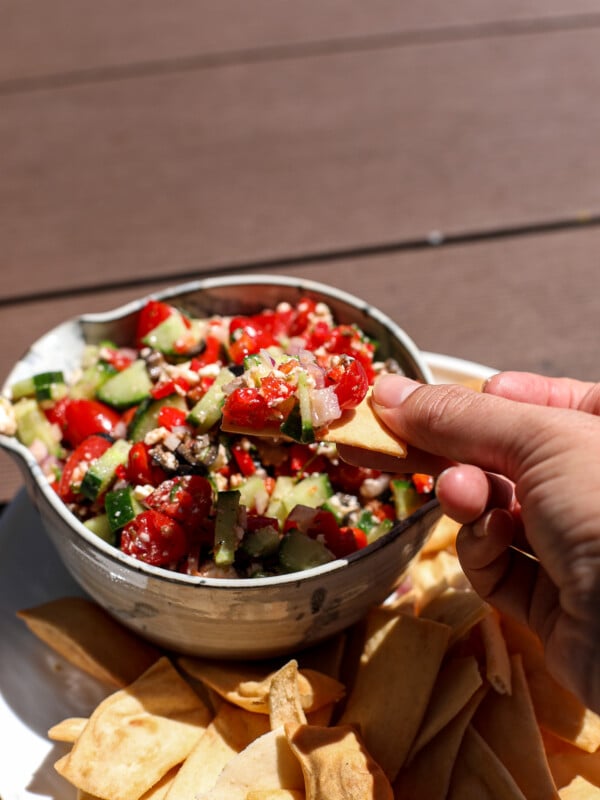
x: 12, y: 445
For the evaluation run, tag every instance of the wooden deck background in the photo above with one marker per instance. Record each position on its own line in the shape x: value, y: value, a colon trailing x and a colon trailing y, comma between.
x: 440, y: 160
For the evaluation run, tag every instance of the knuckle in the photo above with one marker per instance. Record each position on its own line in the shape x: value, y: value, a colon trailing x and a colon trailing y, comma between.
x: 444, y: 407
x: 591, y: 401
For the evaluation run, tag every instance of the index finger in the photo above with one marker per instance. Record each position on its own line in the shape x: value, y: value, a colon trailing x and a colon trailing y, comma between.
x: 527, y: 387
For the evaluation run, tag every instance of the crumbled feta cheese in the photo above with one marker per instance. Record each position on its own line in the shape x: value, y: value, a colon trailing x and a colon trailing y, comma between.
x: 182, y: 371
x: 209, y: 371
x: 373, y: 487
x: 156, y: 436
x: 343, y: 504
x: 8, y: 420
x: 221, y: 459
x: 142, y: 492
x: 221, y: 482
x: 326, y: 449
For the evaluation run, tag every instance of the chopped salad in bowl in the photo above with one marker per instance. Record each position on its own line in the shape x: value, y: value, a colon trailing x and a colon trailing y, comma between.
x: 203, y: 541
x: 132, y: 443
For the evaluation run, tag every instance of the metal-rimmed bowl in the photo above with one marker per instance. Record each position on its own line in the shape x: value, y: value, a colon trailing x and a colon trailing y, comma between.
x: 245, y: 618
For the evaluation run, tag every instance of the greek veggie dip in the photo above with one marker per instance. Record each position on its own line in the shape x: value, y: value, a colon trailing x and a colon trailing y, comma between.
x: 133, y: 445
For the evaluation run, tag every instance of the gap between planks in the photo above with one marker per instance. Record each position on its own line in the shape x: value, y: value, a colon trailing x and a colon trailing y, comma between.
x: 297, y: 50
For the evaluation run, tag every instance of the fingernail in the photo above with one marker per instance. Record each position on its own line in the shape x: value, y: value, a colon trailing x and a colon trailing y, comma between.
x: 495, y: 522
x: 391, y: 390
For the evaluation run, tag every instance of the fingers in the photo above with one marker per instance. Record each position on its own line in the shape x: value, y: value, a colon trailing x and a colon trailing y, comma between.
x: 499, y: 574
x: 465, y: 492
x: 527, y: 387
x: 591, y: 401
x: 494, y: 433
x: 452, y: 411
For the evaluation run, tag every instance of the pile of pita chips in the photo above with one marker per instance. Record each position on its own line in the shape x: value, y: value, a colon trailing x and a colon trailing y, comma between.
x: 79, y: 630
x: 434, y: 695
x: 142, y: 732
x: 248, y: 685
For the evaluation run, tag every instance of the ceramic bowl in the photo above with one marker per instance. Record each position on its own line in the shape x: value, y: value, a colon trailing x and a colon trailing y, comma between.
x: 252, y: 618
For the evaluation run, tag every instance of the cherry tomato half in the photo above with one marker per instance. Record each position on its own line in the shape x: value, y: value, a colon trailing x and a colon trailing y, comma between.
x: 304, y: 461
x: 350, y: 540
x: 77, y: 465
x: 210, y: 355
x: 349, y: 380
x: 140, y: 467
x: 348, y: 478
x: 348, y: 340
x: 187, y: 499
x: 303, y: 311
x: 171, y: 417
x: 82, y: 418
x: 155, y: 538
x: 150, y: 316
x: 245, y: 407
x: 248, y: 335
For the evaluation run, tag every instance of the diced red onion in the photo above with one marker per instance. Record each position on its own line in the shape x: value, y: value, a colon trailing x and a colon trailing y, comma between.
x: 315, y: 372
x: 267, y: 359
x: 302, y: 516
x: 325, y: 406
x: 39, y: 450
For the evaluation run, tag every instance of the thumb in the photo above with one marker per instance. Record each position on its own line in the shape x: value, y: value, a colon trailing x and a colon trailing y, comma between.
x: 494, y: 433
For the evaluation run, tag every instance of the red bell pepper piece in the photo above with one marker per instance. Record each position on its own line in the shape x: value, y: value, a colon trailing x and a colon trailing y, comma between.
x: 244, y: 460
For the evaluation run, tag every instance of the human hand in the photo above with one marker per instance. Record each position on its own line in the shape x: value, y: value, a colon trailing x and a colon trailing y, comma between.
x: 519, y: 466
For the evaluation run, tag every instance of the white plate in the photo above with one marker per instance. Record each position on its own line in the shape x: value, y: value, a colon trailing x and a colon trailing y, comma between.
x: 37, y: 688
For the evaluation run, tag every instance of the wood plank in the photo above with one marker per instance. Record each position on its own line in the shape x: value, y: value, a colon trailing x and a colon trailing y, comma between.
x: 527, y: 303
x: 253, y: 162
x: 39, y: 38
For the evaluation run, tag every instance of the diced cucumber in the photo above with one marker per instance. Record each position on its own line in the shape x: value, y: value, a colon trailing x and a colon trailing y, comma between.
x: 92, y: 378
x: 32, y: 425
x: 253, y: 493
x: 253, y: 360
x: 256, y: 359
x: 207, y: 410
x: 292, y: 425
x: 311, y: 491
x: 101, y: 473
x: 173, y: 336
x: 367, y: 520
x: 44, y: 386
x: 261, y: 543
x: 100, y: 526
x: 308, y: 433
x: 277, y: 507
x: 298, y: 551
x: 121, y: 507
x: 298, y: 425
x: 380, y: 529
x: 128, y: 387
x: 145, y: 418
x: 226, y: 528
x: 406, y: 498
